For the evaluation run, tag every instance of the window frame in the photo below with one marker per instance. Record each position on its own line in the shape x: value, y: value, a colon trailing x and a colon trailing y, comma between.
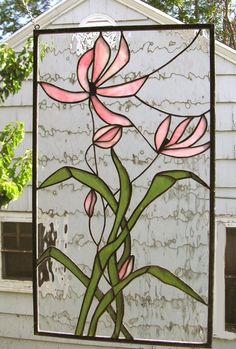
x: 19, y: 286
x: 219, y: 331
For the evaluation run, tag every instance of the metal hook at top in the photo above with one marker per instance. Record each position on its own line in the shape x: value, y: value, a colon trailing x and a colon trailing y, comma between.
x: 36, y: 26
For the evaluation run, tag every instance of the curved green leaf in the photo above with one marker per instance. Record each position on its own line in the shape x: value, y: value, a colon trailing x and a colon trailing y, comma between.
x: 160, y: 184
x: 181, y: 174
x: 125, y: 195
x: 84, y: 177
x: 57, y: 177
x: 159, y: 273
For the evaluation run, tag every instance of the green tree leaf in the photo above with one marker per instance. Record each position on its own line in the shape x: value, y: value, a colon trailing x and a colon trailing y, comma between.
x: 14, y: 13
x: 14, y: 68
x: 15, y: 173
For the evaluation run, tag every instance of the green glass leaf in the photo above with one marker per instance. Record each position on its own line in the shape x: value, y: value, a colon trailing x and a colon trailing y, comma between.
x: 84, y: 177
x: 123, y: 204
x: 169, y: 278
x: 180, y: 174
x: 125, y: 194
x: 57, y: 177
x: 162, y: 182
x: 108, y: 250
x: 159, y: 273
x: 53, y: 252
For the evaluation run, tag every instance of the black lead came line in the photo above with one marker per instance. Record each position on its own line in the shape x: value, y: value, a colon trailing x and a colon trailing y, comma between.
x: 178, y: 54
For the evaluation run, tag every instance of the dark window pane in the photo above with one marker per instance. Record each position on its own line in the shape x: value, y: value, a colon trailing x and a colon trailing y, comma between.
x: 25, y: 228
x: 230, y: 295
x: 230, y: 251
x: 9, y: 242
x: 230, y: 280
x: 9, y: 228
x: 17, y: 266
x: 17, y: 250
x: 26, y: 243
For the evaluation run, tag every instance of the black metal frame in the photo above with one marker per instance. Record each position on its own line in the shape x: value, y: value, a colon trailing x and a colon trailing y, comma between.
x: 208, y: 27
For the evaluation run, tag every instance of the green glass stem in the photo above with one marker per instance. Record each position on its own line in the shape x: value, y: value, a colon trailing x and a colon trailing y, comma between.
x: 114, y: 278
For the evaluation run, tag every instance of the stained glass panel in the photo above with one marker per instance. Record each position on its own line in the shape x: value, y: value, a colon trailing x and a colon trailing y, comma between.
x: 123, y: 183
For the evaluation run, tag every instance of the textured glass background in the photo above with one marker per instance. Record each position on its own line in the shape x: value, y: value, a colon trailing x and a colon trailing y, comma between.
x: 173, y: 232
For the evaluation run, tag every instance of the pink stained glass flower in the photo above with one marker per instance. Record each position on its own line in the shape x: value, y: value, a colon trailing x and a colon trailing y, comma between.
x: 108, y: 136
x: 89, y: 203
x: 176, y: 146
x: 93, y: 70
x: 126, y: 268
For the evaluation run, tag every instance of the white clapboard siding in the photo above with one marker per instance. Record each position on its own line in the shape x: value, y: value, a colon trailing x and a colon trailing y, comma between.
x: 17, y: 113
x: 224, y: 67
x: 225, y: 88
x: 225, y: 170
x: 226, y: 201
x: 73, y: 17
x: 225, y: 145
x: 225, y: 116
x: 225, y: 137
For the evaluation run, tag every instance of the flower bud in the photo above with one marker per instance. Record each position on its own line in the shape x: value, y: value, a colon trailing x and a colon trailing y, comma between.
x: 126, y: 268
x: 89, y: 202
x: 107, y: 136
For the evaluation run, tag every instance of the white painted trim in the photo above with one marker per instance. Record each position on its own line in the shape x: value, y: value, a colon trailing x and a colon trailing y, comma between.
x: 97, y: 19
x: 14, y: 216
x: 225, y: 52
x: 156, y: 15
x: 15, y: 286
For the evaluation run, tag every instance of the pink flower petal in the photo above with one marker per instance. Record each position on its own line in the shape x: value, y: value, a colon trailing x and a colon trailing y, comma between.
x: 195, y: 136
x: 102, y: 54
x: 121, y: 59
x: 186, y: 152
x: 107, y: 115
x: 89, y: 203
x: 61, y: 95
x: 179, y: 131
x: 123, y: 90
x: 83, y: 68
x: 108, y: 136
x: 162, y: 132
x: 126, y: 268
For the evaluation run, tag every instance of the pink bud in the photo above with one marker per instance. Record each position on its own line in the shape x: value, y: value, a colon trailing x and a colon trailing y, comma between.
x: 107, y: 136
x: 89, y: 202
x: 126, y: 268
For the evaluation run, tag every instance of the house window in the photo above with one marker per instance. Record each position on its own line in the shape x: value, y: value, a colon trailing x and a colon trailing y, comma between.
x: 230, y: 279
x: 16, y: 250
